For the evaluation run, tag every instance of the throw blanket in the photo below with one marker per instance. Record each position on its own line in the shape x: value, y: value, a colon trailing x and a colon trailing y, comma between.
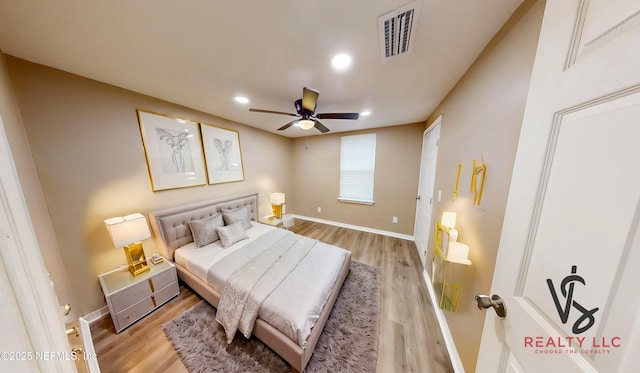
x: 249, y: 286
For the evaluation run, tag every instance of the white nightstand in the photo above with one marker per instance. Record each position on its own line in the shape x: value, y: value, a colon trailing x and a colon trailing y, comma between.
x: 130, y: 298
x: 272, y: 220
x: 285, y: 221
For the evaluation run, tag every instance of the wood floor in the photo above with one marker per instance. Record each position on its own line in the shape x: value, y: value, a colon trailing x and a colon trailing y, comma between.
x: 410, y: 339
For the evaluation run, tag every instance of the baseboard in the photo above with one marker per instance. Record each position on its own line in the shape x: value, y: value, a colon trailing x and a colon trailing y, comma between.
x: 444, y: 327
x: 97, y: 315
x: 356, y: 227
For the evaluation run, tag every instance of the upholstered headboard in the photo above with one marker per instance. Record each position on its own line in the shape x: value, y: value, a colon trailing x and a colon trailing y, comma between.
x: 170, y: 225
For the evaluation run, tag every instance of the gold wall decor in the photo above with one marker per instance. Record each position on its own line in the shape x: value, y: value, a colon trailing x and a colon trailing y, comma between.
x: 455, y: 191
x: 173, y: 150
x: 222, y: 153
x: 482, y: 172
x: 445, y: 283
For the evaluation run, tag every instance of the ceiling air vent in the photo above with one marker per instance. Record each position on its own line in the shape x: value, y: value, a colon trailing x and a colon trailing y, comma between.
x: 397, y: 30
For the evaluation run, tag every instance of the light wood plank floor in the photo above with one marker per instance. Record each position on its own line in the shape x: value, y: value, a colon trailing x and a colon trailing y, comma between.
x: 410, y: 339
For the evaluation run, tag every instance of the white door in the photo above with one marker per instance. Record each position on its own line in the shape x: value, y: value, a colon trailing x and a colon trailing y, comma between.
x: 427, y: 181
x: 569, y: 255
x: 33, y: 331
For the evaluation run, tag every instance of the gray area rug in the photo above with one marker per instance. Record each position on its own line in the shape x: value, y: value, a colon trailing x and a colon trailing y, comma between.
x: 349, y: 342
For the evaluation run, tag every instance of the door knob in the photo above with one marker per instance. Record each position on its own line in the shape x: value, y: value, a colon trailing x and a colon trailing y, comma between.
x: 494, y: 302
x: 74, y: 330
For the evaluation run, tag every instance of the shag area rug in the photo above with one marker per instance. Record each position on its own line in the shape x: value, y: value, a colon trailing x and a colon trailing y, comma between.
x: 349, y: 342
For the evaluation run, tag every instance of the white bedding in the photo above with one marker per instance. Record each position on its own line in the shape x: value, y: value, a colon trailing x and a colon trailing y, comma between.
x: 198, y: 260
x: 295, y: 305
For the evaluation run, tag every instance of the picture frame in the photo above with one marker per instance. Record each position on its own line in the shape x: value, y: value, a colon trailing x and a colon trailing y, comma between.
x: 222, y: 153
x: 173, y: 150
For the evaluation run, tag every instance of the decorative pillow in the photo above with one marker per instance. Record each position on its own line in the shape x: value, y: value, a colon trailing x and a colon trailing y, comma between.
x: 231, y: 234
x: 204, y: 230
x: 242, y: 214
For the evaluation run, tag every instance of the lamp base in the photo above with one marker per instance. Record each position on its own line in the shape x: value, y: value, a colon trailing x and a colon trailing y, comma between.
x: 136, y: 258
x: 277, y: 211
x: 138, y: 269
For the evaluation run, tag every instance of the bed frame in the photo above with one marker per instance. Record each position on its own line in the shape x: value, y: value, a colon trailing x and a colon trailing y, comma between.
x: 171, y: 232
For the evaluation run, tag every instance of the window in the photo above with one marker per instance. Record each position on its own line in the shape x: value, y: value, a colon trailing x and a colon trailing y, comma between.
x: 357, y: 168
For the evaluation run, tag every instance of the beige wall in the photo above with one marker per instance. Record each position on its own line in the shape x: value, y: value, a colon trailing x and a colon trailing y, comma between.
x: 316, y: 170
x: 85, y: 141
x: 32, y: 190
x: 482, y: 117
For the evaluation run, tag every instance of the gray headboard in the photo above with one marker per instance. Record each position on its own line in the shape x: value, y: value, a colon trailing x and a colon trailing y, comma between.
x: 170, y: 225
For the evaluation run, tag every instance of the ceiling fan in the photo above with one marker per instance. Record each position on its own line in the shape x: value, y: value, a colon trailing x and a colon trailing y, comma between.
x: 305, y: 108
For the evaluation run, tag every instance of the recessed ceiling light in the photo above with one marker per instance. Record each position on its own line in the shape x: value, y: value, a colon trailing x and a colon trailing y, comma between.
x: 365, y: 113
x: 241, y: 99
x: 341, y: 61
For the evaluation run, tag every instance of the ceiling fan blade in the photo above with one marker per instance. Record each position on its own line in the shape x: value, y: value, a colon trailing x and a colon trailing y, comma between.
x: 309, y: 99
x: 272, y: 112
x: 288, y: 125
x: 338, y: 116
x: 320, y: 127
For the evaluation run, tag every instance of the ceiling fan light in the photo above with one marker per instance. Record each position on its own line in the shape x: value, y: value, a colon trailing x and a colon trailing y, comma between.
x: 306, y: 124
x: 341, y: 61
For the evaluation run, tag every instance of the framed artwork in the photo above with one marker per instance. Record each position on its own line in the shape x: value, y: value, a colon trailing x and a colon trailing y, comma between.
x: 173, y: 149
x: 222, y: 153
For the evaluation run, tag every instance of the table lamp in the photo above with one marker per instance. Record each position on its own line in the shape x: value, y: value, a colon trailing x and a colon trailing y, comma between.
x: 277, y: 200
x: 449, y: 221
x: 128, y: 232
x: 458, y: 253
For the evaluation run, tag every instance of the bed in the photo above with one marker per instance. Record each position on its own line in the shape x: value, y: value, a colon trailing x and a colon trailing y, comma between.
x: 291, y: 318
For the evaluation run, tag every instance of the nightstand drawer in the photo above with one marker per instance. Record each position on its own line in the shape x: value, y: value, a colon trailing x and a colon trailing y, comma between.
x: 163, y: 279
x: 134, y: 312
x: 165, y: 294
x: 131, y: 295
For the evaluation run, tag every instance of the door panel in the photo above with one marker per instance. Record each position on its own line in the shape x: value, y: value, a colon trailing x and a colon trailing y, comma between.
x: 593, y: 176
x: 569, y: 251
x: 604, y: 22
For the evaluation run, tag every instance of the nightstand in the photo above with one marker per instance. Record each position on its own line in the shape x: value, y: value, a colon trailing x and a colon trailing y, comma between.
x: 271, y: 220
x: 130, y: 298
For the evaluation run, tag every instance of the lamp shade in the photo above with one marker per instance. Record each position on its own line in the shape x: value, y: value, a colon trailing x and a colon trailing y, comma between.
x: 458, y: 252
x: 128, y: 229
x: 449, y: 219
x: 277, y: 198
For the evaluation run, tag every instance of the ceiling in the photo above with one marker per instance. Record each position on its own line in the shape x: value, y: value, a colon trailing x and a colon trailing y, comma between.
x: 202, y: 53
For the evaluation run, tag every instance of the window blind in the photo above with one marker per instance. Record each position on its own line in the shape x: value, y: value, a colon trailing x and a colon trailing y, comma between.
x: 357, y: 167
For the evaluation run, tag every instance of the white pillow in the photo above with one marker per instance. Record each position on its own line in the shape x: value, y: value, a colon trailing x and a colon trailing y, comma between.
x: 230, y: 234
x: 240, y: 214
x: 204, y: 230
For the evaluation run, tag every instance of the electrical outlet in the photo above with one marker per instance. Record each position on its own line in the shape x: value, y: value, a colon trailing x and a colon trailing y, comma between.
x: 394, y: 220
x: 319, y: 209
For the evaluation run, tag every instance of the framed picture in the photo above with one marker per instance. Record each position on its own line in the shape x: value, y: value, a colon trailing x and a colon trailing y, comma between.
x: 173, y: 149
x: 222, y: 153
